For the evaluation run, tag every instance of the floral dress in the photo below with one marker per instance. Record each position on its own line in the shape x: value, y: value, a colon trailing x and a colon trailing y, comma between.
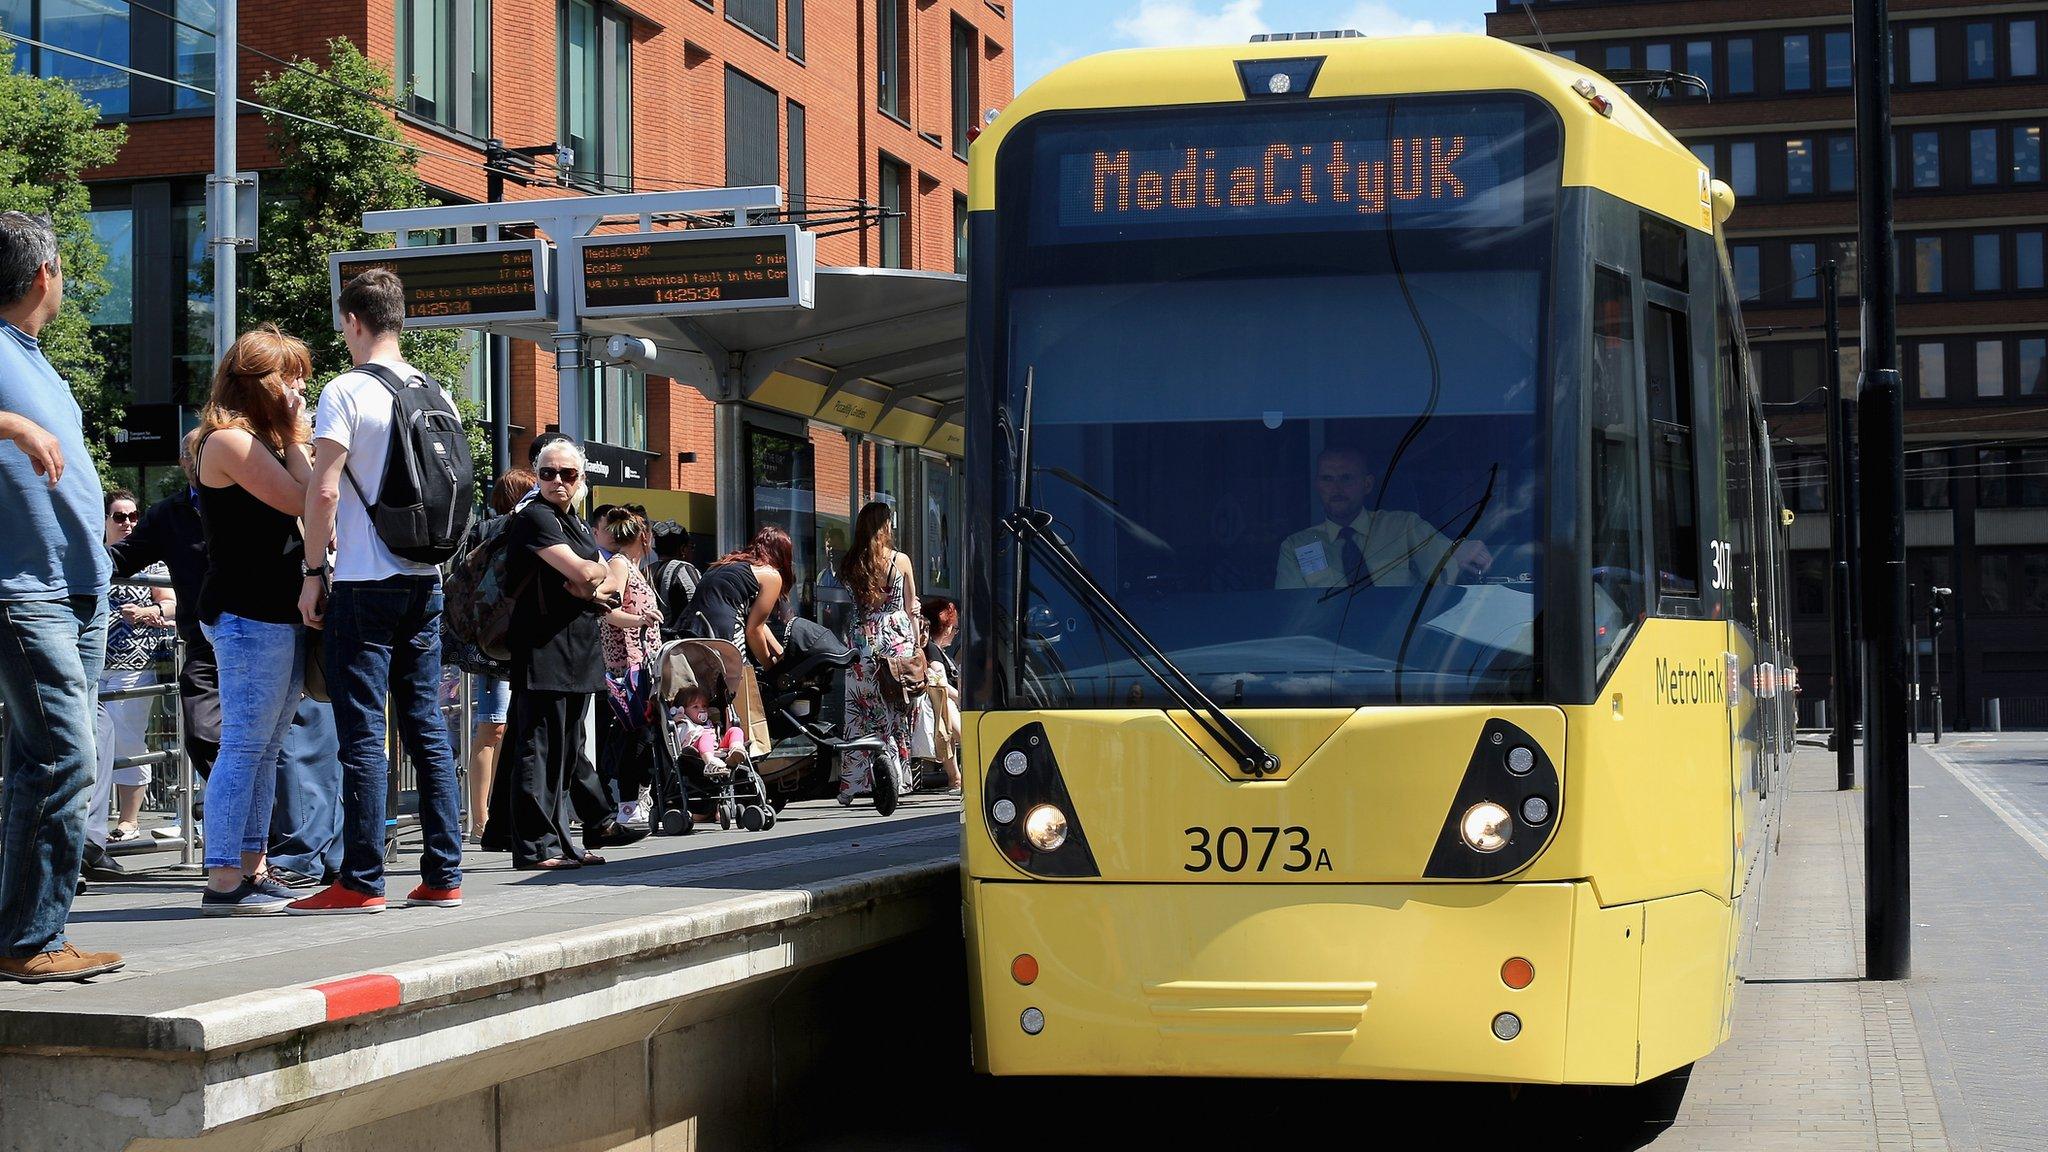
x: 878, y: 633
x: 627, y: 651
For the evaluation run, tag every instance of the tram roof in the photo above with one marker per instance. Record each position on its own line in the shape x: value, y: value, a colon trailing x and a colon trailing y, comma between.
x: 1626, y: 153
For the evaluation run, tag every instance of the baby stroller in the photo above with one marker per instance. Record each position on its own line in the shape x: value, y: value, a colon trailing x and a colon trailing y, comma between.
x: 734, y: 793
x: 802, y: 692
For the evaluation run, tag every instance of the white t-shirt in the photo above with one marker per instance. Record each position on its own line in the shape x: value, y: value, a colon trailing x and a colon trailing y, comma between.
x: 355, y: 412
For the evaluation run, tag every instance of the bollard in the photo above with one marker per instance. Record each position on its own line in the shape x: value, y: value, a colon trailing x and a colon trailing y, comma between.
x: 1820, y: 714
x: 1991, y: 721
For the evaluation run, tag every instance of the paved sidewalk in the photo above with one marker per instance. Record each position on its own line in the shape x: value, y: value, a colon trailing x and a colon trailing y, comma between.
x: 1819, y: 1059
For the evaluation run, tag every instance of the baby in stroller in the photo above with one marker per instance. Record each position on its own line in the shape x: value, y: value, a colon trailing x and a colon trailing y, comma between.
x: 692, y: 717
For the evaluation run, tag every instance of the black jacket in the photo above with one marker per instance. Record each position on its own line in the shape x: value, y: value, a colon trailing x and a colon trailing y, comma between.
x: 170, y: 532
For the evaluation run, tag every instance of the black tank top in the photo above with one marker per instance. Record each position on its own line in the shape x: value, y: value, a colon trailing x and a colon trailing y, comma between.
x: 724, y: 597
x: 252, y: 557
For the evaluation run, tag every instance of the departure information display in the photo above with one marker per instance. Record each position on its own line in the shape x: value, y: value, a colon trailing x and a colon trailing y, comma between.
x: 1417, y: 163
x: 458, y: 285
x: 703, y: 270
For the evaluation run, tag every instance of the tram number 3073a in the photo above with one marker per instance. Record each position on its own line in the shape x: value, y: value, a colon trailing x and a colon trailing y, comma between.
x: 1231, y: 850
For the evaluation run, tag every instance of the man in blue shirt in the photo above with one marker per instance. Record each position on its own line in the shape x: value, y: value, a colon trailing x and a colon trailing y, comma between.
x: 53, y: 620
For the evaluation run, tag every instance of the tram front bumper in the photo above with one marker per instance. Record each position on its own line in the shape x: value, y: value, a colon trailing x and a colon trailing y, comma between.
x: 1328, y: 981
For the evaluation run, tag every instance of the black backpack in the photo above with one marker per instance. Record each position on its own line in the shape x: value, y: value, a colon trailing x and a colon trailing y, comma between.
x: 424, y: 506
x: 675, y: 584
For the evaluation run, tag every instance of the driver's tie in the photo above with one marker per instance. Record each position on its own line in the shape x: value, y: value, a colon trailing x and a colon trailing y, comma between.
x: 1355, y: 571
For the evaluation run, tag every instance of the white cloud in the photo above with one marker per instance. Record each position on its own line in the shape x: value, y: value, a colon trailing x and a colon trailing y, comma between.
x: 1163, y: 23
x: 1377, y: 18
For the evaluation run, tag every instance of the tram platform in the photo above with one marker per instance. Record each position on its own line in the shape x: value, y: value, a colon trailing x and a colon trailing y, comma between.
x: 682, y: 966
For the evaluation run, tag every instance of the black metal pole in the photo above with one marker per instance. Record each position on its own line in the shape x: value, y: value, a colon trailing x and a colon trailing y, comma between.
x: 1913, y: 713
x: 1888, y: 940
x: 1934, y: 610
x: 1842, y: 650
x: 498, y: 348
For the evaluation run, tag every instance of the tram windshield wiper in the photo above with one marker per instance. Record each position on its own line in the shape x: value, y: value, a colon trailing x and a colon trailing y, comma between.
x: 1033, y: 529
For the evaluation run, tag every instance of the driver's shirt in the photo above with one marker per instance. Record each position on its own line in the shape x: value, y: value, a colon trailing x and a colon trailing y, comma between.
x: 1400, y: 548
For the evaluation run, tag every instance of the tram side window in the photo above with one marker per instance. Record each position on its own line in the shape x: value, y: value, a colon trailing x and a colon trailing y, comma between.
x: 1618, y: 599
x: 1667, y: 358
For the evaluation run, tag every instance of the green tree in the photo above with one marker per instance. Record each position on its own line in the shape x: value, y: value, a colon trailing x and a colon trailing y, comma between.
x: 314, y: 205
x: 48, y: 136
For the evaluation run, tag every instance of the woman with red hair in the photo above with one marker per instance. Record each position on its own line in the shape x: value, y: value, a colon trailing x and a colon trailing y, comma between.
x: 736, y: 599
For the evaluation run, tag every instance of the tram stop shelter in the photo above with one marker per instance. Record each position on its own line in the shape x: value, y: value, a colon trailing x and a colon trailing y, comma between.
x: 693, y: 286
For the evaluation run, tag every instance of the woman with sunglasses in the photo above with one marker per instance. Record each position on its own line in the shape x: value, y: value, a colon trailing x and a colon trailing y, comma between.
x: 562, y: 591
x: 139, y: 637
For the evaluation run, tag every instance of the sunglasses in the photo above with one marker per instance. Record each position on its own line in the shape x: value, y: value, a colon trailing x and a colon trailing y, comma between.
x: 565, y: 475
x: 124, y: 517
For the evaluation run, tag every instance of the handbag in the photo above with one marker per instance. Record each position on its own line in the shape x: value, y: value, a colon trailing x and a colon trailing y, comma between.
x: 924, y: 730
x: 901, y: 678
x: 632, y: 691
x: 316, y: 666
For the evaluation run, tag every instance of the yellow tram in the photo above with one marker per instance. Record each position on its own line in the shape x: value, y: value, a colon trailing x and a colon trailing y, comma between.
x: 1375, y: 624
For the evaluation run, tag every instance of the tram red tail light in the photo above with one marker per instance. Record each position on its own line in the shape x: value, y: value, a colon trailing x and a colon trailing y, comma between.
x: 1517, y: 973
x: 1024, y: 969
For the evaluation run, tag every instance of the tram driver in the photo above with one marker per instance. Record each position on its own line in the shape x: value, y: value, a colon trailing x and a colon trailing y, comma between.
x: 1356, y: 545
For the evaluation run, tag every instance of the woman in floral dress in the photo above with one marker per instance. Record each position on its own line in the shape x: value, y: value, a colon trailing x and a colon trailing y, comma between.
x: 883, y: 588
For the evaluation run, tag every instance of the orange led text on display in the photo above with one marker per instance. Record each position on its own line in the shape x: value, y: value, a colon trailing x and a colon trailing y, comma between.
x: 1419, y: 169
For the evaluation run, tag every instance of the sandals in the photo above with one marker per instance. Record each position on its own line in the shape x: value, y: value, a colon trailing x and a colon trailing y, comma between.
x: 123, y: 831
x: 555, y: 865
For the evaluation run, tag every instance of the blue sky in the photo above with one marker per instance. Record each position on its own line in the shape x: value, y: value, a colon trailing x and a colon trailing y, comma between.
x: 1051, y: 32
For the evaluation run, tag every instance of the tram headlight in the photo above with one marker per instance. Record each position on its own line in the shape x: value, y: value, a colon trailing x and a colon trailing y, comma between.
x: 1485, y: 827
x: 1046, y: 827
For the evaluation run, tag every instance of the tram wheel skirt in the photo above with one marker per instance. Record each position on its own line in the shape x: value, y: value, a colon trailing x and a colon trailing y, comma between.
x: 1400, y: 982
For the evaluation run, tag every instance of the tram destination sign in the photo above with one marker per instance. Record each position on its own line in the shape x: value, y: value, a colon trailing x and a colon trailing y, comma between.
x: 701, y: 270
x: 458, y: 285
x: 1466, y: 164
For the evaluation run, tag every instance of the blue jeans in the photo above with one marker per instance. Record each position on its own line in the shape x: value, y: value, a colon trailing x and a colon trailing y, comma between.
x: 305, y: 826
x: 385, y: 635
x: 262, y: 670
x: 50, y: 657
x: 490, y: 699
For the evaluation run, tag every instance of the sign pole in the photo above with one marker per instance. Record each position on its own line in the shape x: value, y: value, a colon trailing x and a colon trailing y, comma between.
x: 1888, y: 939
x: 220, y: 205
x: 1841, y: 607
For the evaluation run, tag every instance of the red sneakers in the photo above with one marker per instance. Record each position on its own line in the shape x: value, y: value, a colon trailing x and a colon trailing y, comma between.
x: 425, y: 896
x: 335, y: 900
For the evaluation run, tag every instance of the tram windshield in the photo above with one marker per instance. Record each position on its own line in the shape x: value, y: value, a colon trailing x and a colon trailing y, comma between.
x: 1300, y: 441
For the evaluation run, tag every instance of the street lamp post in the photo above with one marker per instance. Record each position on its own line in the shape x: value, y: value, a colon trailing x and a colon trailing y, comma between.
x: 1882, y: 411
x: 1841, y: 537
x: 1936, y: 606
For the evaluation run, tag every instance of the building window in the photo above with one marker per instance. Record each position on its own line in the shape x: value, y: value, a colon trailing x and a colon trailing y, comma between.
x: 1805, y: 284
x: 959, y: 233
x: 1926, y: 263
x: 1748, y: 270
x: 1741, y: 67
x: 2026, y: 260
x: 596, y: 85
x: 1617, y: 57
x: 756, y: 16
x: 1933, y: 363
x: 966, y: 85
x: 1798, y: 63
x: 192, y: 54
x: 444, y: 62
x: 753, y: 147
x: 1926, y: 160
x: 1742, y: 167
x: 2026, y: 154
x: 1839, y: 72
x: 1705, y: 154
x: 1983, y: 155
x: 1845, y: 265
x: 799, y: 164
x: 1699, y: 61
x: 2022, y: 42
x: 890, y: 61
x: 1990, y: 369
x: 2033, y: 355
x: 621, y: 408
x: 1841, y: 163
x: 1994, y: 576
x: 1798, y: 166
x: 1657, y: 57
x: 1920, y: 55
x: 1927, y: 479
x: 895, y: 194
x: 1571, y: 54
x: 1979, y: 59
x: 1984, y: 270
x: 1993, y: 488
x: 796, y: 29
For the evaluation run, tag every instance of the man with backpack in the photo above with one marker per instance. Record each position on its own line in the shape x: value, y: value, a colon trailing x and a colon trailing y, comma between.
x: 392, y: 490
x: 675, y: 578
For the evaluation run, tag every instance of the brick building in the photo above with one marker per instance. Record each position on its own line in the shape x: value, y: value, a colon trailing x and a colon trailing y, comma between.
x: 866, y: 103
x: 1970, y: 101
